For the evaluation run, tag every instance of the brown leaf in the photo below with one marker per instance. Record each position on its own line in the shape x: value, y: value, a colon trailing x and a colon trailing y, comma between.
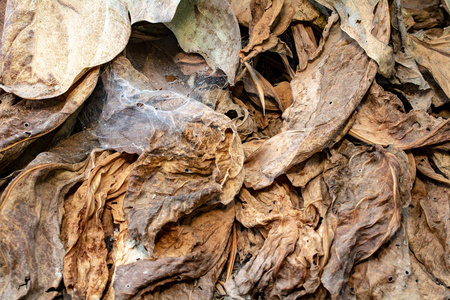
x: 23, y: 121
x: 209, y: 27
x: 39, y: 34
x: 325, y: 96
x: 382, y: 120
x: 430, y: 49
x: 424, y: 167
x: 424, y: 14
x: 191, y: 156
x: 31, y: 208
x: 85, y: 270
x: 306, y: 10
x: 270, y: 18
x: 358, y: 19
x: 272, y: 100
x: 305, y: 44
x: 428, y: 227
x: 413, y: 86
x: 186, y: 250
x: 388, y: 273
x: 284, y: 91
x: 288, y: 264
x: 241, y: 9
x: 368, y: 188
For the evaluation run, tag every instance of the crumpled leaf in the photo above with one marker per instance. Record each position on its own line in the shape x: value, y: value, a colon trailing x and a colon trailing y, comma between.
x: 241, y: 9
x: 270, y: 18
x: 85, y: 271
x: 38, y: 34
x: 368, y: 187
x: 289, y: 263
x: 23, y: 121
x: 358, y: 19
x: 424, y: 166
x: 210, y: 28
x: 185, y: 251
x: 305, y: 44
x: 386, y: 274
x: 430, y: 49
x: 272, y: 100
x: 423, y: 14
x: 412, y: 84
x: 190, y: 156
x: 304, y: 172
x: 152, y: 10
x: 428, y: 227
x: 323, y: 103
x: 382, y: 120
x: 429, y: 287
x: 441, y: 159
x: 306, y: 10
x: 31, y: 260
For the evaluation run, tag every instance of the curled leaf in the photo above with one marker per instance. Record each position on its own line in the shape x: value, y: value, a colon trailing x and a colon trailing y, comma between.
x: 209, y: 27
x: 46, y: 46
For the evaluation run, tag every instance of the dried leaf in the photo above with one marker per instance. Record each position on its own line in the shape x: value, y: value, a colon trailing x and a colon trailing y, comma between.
x: 414, y: 87
x: 210, y: 29
x: 387, y: 274
x: 323, y: 103
x: 305, y: 44
x: 368, y: 211
x: 270, y: 95
x: 288, y: 263
x: 85, y: 271
x: 424, y: 14
x: 241, y: 9
x: 185, y: 251
x: 38, y: 34
x: 424, y: 167
x: 151, y: 10
x: 382, y: 120
x: 301, y: 174
x: 441, y: 159
x: 306, y: 10
x: 31, y: 260
x: 284, y: 91
x: 270, y: 18
x: 358, y: 19
x: 24, y: 121
x: 190, y: 155
x: 430, y: 49
x: 428, y: 227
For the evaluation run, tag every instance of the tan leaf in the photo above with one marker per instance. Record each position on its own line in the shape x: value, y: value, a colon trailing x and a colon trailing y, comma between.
x: 85, y: 270
x: 191, y: 156
x: 152, y: 10
x: 24, y: 121
x: 368, y: 188
x: 47, y: 45
x: 209, y: 27
x: 428, y: 227
x: 382, y: 120
x: 325, y: 96
x: 430, y: 49
x: 193, y: 248
x: 358, y: 19
x: 269, y: 20
x: 31, y: 208
x: 388, y: 273
x: 288, y: 264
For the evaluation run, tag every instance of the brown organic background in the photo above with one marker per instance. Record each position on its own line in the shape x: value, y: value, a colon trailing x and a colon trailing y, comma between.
x: 225, y: 149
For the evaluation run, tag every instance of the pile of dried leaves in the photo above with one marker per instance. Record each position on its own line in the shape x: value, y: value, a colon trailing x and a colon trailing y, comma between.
x: 214, y: 149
